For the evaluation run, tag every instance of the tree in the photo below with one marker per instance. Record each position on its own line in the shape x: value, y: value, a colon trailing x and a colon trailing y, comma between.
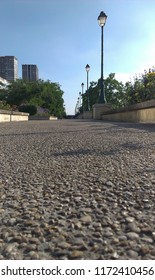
x: 4, y: 105
x: 149, y: 83
x: 17, y: 92
x: 114, y: 92
x: 142, y: 88
x: 41, y: 93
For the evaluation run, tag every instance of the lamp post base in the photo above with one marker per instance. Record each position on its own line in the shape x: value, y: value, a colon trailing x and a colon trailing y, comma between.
x: 99, y: 109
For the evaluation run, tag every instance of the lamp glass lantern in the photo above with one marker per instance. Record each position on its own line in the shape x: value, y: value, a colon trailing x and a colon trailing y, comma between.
x: 87, y: 68
x: 82, y: 86
x: 102, y: 19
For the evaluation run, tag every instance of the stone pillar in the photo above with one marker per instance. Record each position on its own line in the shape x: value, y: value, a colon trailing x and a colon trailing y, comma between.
x: 100, y: 109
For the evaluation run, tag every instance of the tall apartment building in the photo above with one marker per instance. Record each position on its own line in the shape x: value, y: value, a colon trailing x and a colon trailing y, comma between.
x: 30, y: 72
x: 9, y: 68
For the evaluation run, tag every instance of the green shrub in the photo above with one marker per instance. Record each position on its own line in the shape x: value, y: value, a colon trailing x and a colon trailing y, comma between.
x: 4, y: 105
x: 31, y: 109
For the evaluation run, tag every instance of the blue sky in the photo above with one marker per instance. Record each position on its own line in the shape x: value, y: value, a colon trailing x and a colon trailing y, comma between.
x: 62, y: 36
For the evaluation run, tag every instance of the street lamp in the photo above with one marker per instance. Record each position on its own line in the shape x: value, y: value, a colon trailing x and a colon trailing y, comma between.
x: 79, y: 101
x: 82, y: 86
x: 102, y: 20
x: 87, y: 70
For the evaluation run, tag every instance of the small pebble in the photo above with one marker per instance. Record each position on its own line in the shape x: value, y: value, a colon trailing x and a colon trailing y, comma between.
x: 132, y: 254
x: 76, y: 254
x: 132, y: 235
x: 86, y: 219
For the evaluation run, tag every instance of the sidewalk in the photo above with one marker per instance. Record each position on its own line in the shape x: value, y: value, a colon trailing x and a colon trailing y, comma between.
x: 74, y: 189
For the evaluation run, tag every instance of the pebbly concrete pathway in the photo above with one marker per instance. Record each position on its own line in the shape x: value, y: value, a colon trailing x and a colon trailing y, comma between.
x: 73, y: 189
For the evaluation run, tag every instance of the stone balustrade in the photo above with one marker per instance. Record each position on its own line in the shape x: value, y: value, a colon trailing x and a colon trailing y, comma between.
x: 8, y: 116
x: 140, y: 112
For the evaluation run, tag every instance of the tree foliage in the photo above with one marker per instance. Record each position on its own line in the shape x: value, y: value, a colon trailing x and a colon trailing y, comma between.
x: 4, y: 105
x: 113, y: 89
x: 41, y: 93
x: 142, y: 88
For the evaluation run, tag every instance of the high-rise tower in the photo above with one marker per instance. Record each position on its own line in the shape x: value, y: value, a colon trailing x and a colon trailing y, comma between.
x: 9, y: 68
x: 30, y: 72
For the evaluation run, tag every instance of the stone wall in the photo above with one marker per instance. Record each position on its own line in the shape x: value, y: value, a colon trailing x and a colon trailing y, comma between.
x: 42, y: 118
x: 7, y: 116
x: 141, y: 112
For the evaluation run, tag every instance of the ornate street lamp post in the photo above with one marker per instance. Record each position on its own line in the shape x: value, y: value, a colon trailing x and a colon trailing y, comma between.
x: 102, y: 20
x: 76, y: 108
x: 82, y: 86
x: 79, y: 102
x: 87, y: 70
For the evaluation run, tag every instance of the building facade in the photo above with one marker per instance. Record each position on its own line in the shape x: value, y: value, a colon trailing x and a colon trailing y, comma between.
x: 9, y: 68
x: 30, y: 72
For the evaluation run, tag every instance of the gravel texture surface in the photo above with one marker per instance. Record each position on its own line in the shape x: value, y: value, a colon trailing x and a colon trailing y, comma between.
x: 74, y: 189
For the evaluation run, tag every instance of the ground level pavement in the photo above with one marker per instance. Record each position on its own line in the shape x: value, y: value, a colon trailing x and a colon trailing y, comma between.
x: 75, y: 189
